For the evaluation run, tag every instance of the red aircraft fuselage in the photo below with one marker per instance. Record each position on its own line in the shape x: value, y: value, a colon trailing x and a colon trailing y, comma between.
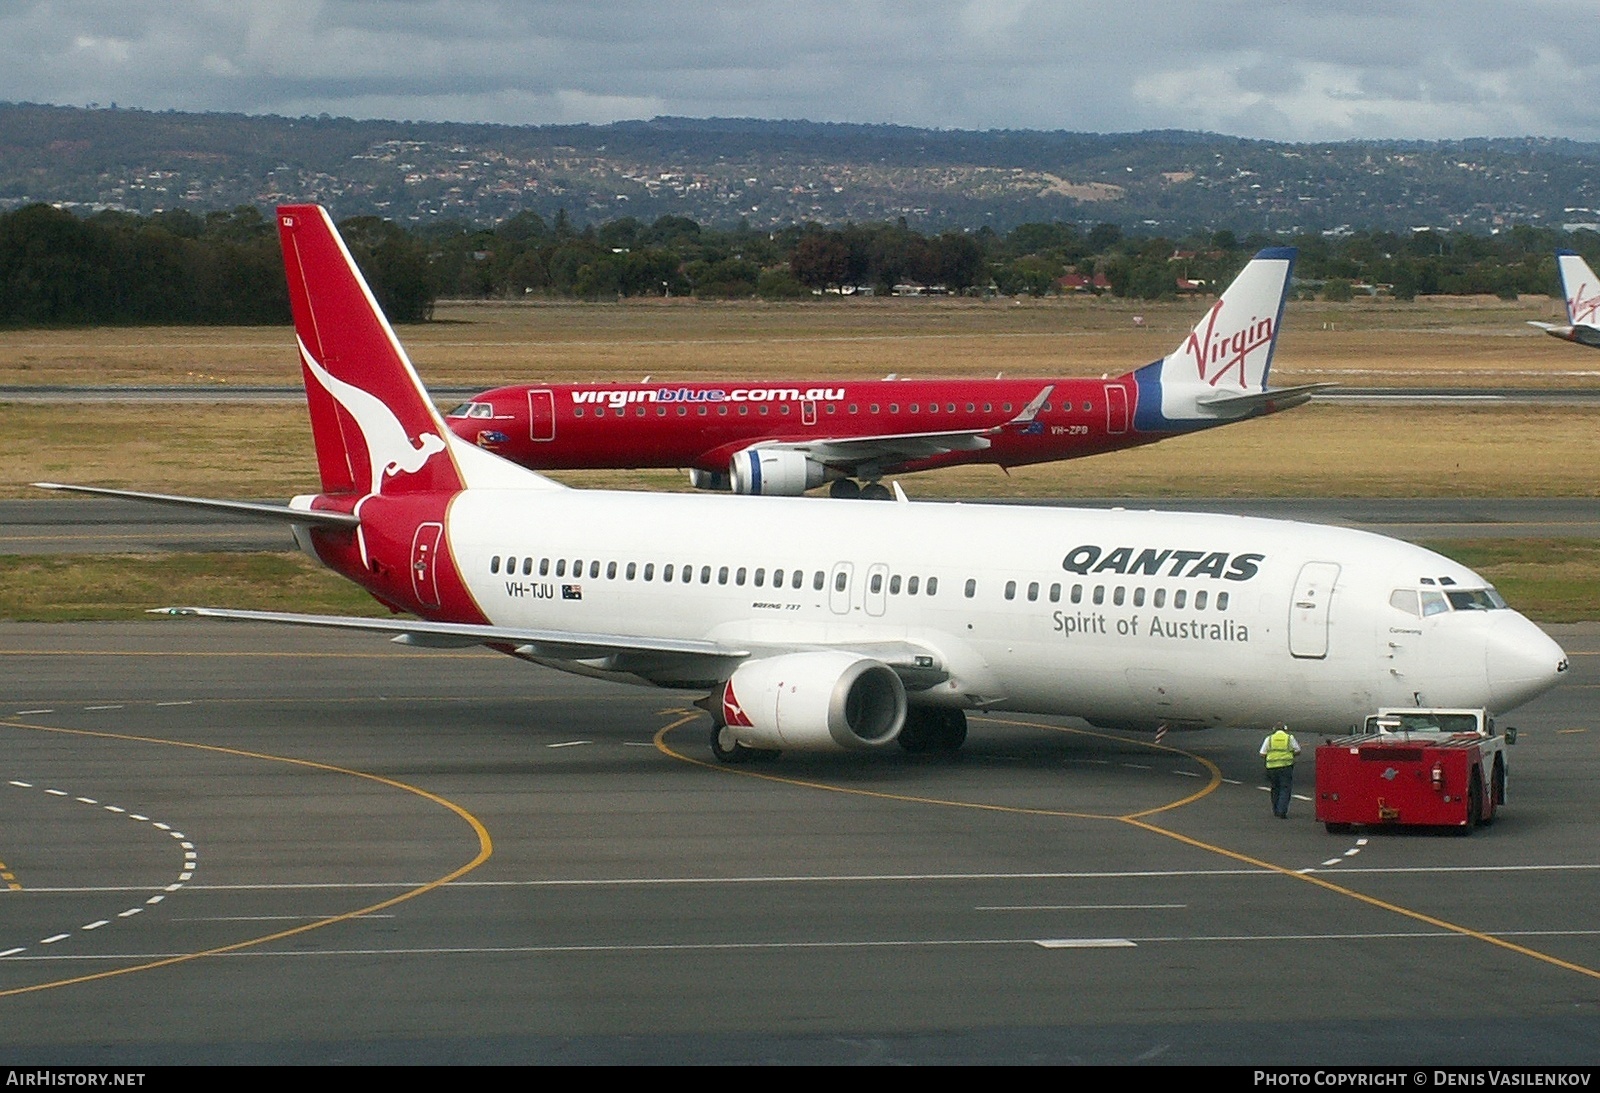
x: 703, y: 425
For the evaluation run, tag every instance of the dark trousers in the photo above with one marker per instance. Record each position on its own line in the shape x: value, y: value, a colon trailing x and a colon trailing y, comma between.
x: 1282, y: 781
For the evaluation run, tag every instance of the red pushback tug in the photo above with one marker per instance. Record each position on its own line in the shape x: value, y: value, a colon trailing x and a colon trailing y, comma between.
x: 1414, y: 767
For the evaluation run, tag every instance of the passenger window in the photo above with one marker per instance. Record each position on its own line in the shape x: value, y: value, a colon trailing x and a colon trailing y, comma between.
x: 632, y: 571
x: 527, y: 566
x: 594, y: 570
x: 650, y: 571
x: 1077, y: 593
x: 972, y: 588
x: 1199, y: 601
x: 1116, y: 595
x: 840, y: 580
x: 494, y: 564
x: 798, y: 579
x: 738, y: 576
x: 894, y: 585
x: 1138, y: 597
x: 611, y: 571
x: 1033, y: 591
x: 761, y: 578
x: 722, y: 575
x: 777, y: 578
x: 666, y: 572
x: 1099, y: 594
x: 1180, y: 597
x: 911, y: 586
x: 1011, y: 590
x: 875, y: 585
x: 1160, y: 598
x: 1055, y: 592
x: 817, y: 580
x: 705, y: 574
x: 544, y: 567
x: 1222, y: 601
x: 933, y: 586
x: 561, y: 567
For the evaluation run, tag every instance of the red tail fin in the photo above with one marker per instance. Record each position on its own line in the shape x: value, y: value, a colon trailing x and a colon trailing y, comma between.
x: 375, y: 429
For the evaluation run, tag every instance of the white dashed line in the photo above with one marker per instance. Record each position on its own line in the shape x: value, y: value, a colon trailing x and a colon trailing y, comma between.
x: 1085, y: 943
x: 186, y: 872
x: 102, y: 707
x: 570, y: 744
x: 25, y: 713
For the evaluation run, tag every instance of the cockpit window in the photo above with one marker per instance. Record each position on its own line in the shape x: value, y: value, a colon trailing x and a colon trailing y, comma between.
x: 473, y: 409
x: 1475, y: 599
x: 1404, y: 599
x: 464, y: 410
x: 1433, y: 603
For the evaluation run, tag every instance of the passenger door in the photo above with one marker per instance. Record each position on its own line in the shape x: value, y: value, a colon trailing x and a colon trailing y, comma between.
x: 1309, y: 610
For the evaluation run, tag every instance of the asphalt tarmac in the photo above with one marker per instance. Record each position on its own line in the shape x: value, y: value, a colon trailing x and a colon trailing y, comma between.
x: 225, y: 843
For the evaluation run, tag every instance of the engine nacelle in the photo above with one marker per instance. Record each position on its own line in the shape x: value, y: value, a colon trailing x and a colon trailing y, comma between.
x: 709, y: 480
x: 775, y: 471
x: 822, y: 701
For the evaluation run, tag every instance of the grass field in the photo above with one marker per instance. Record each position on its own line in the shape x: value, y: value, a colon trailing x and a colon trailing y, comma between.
x: 263, y: 450
x: 1366, y: 342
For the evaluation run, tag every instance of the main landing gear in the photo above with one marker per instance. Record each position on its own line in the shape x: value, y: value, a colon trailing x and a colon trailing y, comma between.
x: 848, y: 489
x: 933, y: 729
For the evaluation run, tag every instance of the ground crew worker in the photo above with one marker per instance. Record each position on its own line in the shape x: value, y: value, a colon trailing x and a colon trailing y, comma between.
x: 1279, y: 749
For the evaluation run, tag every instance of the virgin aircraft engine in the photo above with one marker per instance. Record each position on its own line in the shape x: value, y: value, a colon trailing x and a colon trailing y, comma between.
x: 777, y: 471
x: 822, y: 701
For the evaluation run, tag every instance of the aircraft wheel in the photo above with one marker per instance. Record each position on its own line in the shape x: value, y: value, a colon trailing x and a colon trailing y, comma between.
x: 875, y: 491
x: 844, y: 489
x: 917, y: 735
x: 950, y: 730
x: 727, y: 749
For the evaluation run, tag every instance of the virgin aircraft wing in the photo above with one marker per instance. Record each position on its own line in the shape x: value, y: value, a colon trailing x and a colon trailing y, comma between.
x: 848, y: 453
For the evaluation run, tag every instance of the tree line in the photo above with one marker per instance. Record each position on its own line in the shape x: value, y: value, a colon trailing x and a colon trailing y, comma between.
x: 57, y: 268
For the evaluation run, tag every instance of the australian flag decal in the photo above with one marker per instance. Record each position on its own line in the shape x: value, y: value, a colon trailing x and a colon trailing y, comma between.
x: 572, y: 591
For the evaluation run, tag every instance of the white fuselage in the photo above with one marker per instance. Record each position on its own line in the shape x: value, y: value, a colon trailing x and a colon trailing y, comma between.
x: 1120, y: 617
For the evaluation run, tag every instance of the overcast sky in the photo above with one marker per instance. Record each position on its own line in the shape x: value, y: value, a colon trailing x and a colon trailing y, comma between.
x: 1324, y: 69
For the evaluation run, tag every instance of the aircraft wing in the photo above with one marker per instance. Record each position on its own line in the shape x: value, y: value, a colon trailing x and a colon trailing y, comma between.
x: 549, y: 644
x: 1243, y: 402
x: 855, y: 451
x: 918, y: 666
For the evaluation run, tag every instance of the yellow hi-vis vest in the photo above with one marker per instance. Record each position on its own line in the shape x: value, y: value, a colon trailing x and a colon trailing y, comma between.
x: 1280, y: 753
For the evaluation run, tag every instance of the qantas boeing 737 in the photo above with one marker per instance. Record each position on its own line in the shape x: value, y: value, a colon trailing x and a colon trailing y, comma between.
x: 827, y: 625
x: 1581, y: 291
x: 786, y: 438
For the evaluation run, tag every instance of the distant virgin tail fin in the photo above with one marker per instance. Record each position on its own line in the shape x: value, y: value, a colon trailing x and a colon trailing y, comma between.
x: 375, y: 428
x: 1580, y: 289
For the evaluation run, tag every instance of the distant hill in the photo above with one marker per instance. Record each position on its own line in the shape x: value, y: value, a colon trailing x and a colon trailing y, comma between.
x: 775, y: 173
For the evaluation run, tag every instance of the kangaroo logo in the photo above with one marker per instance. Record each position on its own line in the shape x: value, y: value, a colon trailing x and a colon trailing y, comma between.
x: 389, y: 449
x: 732, y: 712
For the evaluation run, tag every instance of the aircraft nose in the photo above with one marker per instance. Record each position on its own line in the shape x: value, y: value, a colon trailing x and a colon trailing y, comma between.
x: 1522, y: 662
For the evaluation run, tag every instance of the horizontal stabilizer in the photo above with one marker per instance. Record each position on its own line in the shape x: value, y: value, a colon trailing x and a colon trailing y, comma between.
x: 281, y: 513
x: 1230, y: 403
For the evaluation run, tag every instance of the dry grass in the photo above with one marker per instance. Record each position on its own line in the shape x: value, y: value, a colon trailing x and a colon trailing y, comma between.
x: 264, y: 451
x: 123, y: 586
x: 1365, y: 342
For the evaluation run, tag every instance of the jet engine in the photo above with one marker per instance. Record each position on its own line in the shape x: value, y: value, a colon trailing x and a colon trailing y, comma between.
x: 709, y: 480
x: 822, y: 701
x: 776, y: 471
